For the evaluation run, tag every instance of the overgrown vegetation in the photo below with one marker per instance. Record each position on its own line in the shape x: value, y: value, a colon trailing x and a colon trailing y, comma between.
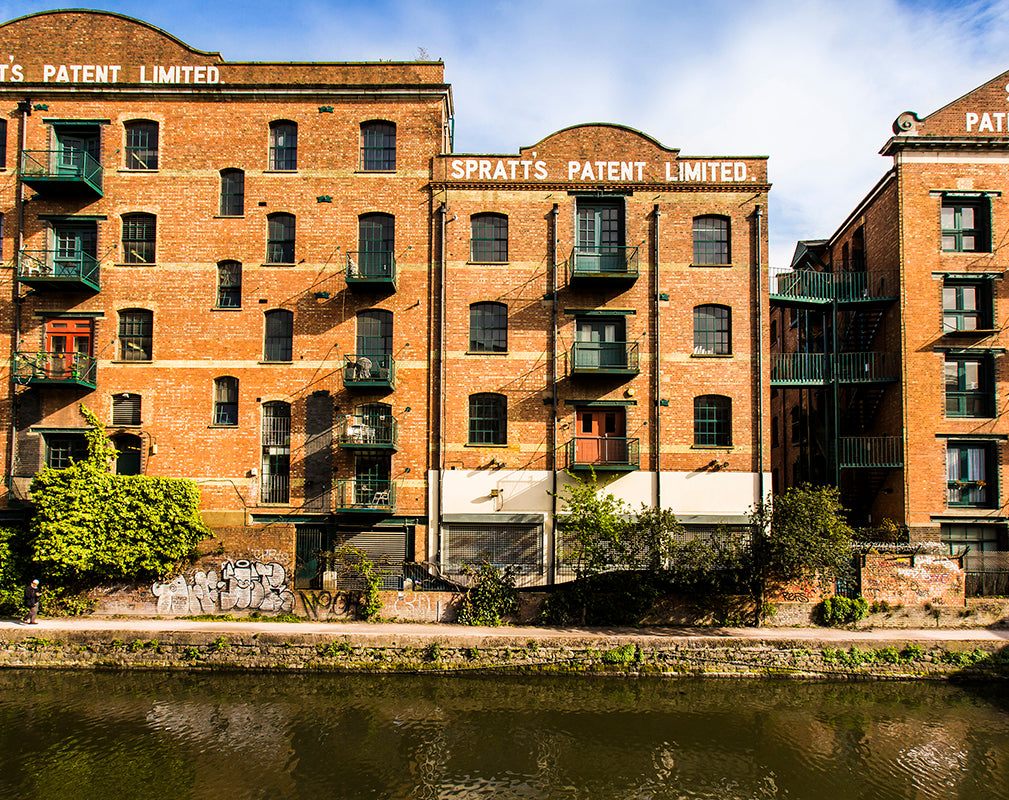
x: 358, y: 570
x: 92, y: 527
x: 837, y: 611
x: 491, y: 598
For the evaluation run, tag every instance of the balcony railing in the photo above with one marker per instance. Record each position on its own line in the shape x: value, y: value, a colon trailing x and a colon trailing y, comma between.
x: 366, y: 495
x: 54, y: 172
x: 603, y: 262
x: 822, y: 287
x: 365, y: 432
x: 371, y: 269
x: 602, y: 454
x: 56, y: 369
x: 813, y: 369
x: 604, y: 358
x: 369, y: 372
x: 870, y: 452
x: 52, y: 270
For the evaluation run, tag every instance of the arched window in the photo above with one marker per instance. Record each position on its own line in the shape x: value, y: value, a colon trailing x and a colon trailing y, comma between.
x: 712, y: 421
x: 489, y: 237
x: 283, y: 145
x: 488, y: 328
x: 226, y: 401
x: 711, y: 240
x: 136, y: 334
x: 488, y: 419
x: 280, y: 239
x: 139, y: 232
x: 279, y: 343
x: 712, y: 330
x: 229, y: 284
x: 275, y: 485
x: 378, y: 145
x: 376, y: 244
x: 141, y: 144
x: 232, y: 193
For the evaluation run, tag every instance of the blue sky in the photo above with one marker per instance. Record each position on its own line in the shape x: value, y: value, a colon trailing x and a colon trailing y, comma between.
x: 815, y: 85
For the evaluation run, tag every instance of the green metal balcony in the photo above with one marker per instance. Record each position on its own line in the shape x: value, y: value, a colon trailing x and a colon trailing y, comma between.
x: 55, y: 271
x: 870, y: 452
x: 55, y: 369
x: 371, y: 270
x: 798, y: 287
x: 603, y: 358
x: 369, y: 372
x: 366, y: 496
x: 818, y: 369
x: 62, y: 173
x: 603, y: 263
x: 602, y: 454
x: 365, y: 432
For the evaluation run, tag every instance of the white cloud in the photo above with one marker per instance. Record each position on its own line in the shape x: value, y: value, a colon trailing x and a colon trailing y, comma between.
x: 813, y: 84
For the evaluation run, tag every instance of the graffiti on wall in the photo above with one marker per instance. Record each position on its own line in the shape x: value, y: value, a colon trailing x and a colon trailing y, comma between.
x: 320, y: 605
x: 241, y: 585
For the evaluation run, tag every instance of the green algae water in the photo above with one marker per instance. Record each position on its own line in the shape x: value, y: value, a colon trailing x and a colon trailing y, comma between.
x: 119, y: 736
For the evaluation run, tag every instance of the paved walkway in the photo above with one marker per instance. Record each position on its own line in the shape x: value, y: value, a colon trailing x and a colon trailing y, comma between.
x: 394, y: 630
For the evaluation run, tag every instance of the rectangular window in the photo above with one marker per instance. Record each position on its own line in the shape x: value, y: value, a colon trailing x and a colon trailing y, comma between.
x: 276, y: 478
x: 711, y: 331
x: 283, y: 145
x: 280, y: 232
x: 378, y: 146
x: 488, y: 419
x: 970, y: 475
x: 712, y: 421
x: 138, y: 239
x: 488, y: 328
x: 970, y: 391
x: 142, y: 145
x: 966, y: 306
x: 136, y: 329
x: 965, y: 224
x: 229, y: 284
x: 489, y: 237
x: 711, y: 240
x: 226, y: 401
x: 232, y: 193
x: 63, y: 449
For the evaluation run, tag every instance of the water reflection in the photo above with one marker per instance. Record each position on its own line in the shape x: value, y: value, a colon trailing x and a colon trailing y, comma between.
x: 104, y: 735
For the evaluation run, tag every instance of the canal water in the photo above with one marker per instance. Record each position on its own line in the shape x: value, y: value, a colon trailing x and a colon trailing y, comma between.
x: 131, y: 735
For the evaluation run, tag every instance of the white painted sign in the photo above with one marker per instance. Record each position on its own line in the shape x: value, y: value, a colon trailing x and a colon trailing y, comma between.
x: 507, y: 169
x: 12, y: 72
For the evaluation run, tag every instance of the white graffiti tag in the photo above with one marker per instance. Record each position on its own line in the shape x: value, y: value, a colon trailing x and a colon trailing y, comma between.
x: 241, y: 585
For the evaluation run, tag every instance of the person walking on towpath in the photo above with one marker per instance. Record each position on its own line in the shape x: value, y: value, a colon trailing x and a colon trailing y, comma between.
x: 32, y: 595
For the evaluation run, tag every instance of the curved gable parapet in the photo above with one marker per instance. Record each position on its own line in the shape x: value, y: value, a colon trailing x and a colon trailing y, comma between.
x: 591, y: 138
x: 83, y: 36
x: 981, y: 113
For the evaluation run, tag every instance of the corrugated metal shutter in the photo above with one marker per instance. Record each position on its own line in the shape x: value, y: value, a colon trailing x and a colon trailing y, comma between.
x: 126, y: 409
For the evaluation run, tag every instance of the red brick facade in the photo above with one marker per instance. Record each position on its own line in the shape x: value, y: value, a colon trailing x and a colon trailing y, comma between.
x: 382, y: 448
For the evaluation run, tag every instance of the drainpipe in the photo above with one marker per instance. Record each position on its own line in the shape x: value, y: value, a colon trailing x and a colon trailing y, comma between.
x: 656, y: 361
x: 439, y: 489
x: 551, y: 551
x: 760, y: 357
x: 25, y: 109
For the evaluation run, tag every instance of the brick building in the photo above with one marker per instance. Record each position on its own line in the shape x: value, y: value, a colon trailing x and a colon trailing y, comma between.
x: 279, y: 281
x: 887, y: 372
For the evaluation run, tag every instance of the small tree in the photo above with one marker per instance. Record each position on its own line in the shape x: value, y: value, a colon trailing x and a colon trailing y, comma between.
x: 594, y: 528
x: 802, y: 536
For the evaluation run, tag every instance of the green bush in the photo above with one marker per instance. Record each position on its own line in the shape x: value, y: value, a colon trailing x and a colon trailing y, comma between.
x: 491, y: 598
x: 836, y: 611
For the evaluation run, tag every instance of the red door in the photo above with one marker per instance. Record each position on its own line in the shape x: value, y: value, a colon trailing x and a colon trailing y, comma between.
x: 66, y: 341
x: 601, y: 437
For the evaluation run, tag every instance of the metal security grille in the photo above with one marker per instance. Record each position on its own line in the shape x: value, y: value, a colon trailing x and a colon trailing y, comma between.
x: 142, y: 145
x: 276, y: 477
x: 509, y: 545
x: 126, y: 409
x: 315, y: 545
x: 138, y: 238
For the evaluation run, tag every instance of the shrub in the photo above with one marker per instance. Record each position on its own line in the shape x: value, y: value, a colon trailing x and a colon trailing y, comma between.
x: 491, y: 598
x: 836, y: 611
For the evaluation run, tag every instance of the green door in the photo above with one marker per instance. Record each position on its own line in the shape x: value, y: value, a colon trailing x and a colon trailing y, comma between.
x: 76, y: 252
x: 600, y: 237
